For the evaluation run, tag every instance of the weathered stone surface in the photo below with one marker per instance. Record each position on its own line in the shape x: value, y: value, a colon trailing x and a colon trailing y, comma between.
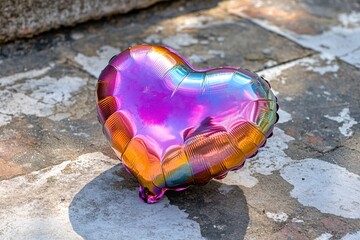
x: 325, y: 26
x: 305, y: 17
x: 303, y: 184
x: 25, y: 18
x: 37, y: 206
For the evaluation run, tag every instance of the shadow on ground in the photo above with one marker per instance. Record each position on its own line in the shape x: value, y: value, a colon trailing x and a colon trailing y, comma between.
x: 108, y: 207
x: 221, y: 210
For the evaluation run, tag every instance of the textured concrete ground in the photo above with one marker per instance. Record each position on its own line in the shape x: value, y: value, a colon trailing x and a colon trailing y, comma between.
x: 60, y: 179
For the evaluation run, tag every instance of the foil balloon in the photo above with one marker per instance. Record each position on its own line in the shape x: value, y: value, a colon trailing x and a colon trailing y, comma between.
x: 173, y: 125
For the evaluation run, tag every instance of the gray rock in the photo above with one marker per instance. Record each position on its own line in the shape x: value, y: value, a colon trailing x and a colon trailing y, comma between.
x: 24, y: 18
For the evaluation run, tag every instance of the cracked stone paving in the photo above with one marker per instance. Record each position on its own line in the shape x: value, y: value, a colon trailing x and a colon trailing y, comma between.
x: 59, y: 178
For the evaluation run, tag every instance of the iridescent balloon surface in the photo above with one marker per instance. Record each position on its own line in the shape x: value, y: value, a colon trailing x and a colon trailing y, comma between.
x: 173, y: 125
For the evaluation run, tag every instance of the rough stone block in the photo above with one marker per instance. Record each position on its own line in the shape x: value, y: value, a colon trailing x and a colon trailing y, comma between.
x: 24, y: 18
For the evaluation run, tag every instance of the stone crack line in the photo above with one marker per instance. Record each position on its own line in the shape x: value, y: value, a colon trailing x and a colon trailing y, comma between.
x: 293, y: 60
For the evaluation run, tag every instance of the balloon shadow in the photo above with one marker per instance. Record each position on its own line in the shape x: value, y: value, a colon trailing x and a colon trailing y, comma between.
x: 221, y: 210
x: 108, y: 207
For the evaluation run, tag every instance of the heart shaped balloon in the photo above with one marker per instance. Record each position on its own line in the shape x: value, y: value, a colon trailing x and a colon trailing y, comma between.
x: 173, y: 125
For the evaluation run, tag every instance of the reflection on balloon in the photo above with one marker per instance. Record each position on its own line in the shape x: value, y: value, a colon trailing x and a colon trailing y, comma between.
x: 173, y: 125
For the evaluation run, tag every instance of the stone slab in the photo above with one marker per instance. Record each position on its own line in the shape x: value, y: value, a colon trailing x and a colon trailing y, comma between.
x: 25, y: 18
x: 58, y: 170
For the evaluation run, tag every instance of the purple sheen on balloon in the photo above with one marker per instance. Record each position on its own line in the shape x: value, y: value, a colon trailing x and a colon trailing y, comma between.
x: 173, y: 125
